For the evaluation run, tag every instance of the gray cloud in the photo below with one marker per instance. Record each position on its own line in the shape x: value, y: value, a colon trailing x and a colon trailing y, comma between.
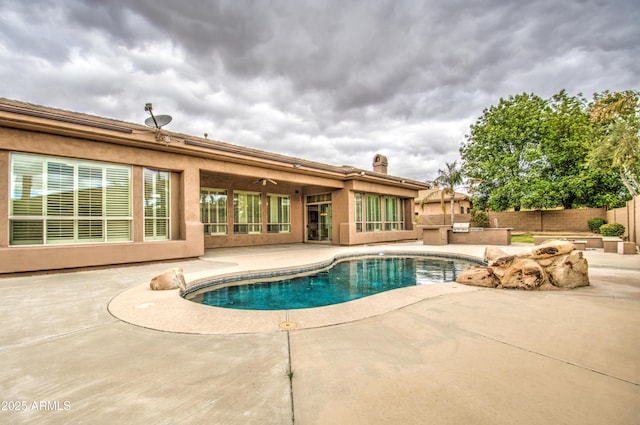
x: 326, y: 80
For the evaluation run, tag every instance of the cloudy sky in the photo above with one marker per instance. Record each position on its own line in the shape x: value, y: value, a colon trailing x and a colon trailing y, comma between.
x: 329, y: 81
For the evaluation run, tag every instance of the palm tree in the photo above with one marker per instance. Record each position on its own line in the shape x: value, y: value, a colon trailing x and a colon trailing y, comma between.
x: 448, y: 178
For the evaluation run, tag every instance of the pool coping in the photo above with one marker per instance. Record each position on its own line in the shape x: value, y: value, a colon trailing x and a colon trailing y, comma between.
x: 169, y: 311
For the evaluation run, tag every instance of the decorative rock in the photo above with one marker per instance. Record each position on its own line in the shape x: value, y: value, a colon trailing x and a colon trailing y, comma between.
x: 552, y: 248
x: 524, y: 274
x: 570, y: 271
x: 500, y: 266
x: 552, y: 265
x: 478, y: 276
x: 492, y: 253
x: 170, y: 279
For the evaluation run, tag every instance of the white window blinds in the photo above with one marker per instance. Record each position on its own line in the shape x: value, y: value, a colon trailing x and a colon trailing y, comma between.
x: 57, y: 200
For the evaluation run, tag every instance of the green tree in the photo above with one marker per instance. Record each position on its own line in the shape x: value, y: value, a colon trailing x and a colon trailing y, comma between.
x: 502, y: 153
x: 565, y: 144
x: 529, y: 152
x: 617, y: 148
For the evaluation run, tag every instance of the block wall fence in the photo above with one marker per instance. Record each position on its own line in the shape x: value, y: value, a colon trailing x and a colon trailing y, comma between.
x: 552, y: 220
x: 527, y: 221
x: 629, y: 217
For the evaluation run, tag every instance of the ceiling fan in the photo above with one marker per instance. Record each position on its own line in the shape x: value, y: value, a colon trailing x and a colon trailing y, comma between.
x: 264, y: 181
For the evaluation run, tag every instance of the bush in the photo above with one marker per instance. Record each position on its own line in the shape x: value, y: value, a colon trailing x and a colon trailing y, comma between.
x: 595, y: 223
x: 479, y: 219
x: 612, y: 229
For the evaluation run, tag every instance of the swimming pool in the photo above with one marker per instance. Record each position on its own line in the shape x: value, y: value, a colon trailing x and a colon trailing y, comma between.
x: 345, y: 279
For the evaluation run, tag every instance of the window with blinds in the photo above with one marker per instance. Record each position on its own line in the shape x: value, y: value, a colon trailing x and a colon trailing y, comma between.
x: 278, y: 214
x: 373, y: 213
x: 357, y: 210
x: 393, y: 213
x: 65, y: 201
x: 247, y: 213
x: 156, y: 204
x: 213, y: 211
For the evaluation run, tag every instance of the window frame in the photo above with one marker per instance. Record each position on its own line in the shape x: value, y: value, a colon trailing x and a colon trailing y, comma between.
x: 373, y: 212
x: 251, y: 224
x: 358, y: 217
x: 218, y: 215
x: 158, y: 201
x: 393, y: 213
x: 282, y: 212
x: 76, y: 201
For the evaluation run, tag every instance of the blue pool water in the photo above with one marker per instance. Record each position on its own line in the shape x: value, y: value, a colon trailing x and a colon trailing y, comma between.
x: 344, y: 281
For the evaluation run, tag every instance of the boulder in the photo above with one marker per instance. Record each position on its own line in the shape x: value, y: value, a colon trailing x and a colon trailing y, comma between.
x: 478, y: 276
x: 524, y: 274
x: 552, y: 248
x: 554, y: 264
x: 569, y: 271
x: 169, y: 279
x: 492, y: 253
x: 500, y: 265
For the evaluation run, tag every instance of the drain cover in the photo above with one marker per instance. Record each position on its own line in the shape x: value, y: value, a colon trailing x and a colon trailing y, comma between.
x: 288, y: 325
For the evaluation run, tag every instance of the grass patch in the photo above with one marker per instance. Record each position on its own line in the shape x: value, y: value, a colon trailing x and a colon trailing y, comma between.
x: 528, y: 237
x: 522, y: 238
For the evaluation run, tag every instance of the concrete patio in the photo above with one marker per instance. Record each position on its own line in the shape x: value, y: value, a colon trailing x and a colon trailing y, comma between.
x: 448, y: 354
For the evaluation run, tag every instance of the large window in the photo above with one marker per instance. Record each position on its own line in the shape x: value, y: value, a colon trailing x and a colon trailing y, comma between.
x: 357, y: 208
x: 393, y: 213
x: 368, y: 213
x: 156, y: 204
x: 247, y: 213
x: 65, y: 201
x: 213, y: 211
x: 278, y: 214
x: 373, y: 217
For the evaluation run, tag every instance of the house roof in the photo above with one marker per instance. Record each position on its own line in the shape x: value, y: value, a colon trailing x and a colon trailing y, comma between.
x: 29, y: 116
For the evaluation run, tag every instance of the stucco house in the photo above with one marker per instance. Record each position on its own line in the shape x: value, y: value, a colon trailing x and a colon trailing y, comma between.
x: 78, y: 190
x: 428, y: 202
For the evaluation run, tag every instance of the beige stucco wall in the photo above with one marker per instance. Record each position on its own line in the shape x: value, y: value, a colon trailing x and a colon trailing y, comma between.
x: 483, y: 237
x: 192, y: 166
x: 443, y: 235
x: 629, y: 217
x: 186, y: 229
x: 4, y: 203
x: 347, y: 228
x: 436, y: 208
x: 234, y: 183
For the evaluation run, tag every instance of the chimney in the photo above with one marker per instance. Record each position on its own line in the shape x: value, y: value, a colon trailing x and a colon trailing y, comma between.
x: 380, y: 164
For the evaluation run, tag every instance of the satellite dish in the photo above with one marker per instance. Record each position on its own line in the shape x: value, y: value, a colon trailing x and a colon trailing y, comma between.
x: 157, y: 121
